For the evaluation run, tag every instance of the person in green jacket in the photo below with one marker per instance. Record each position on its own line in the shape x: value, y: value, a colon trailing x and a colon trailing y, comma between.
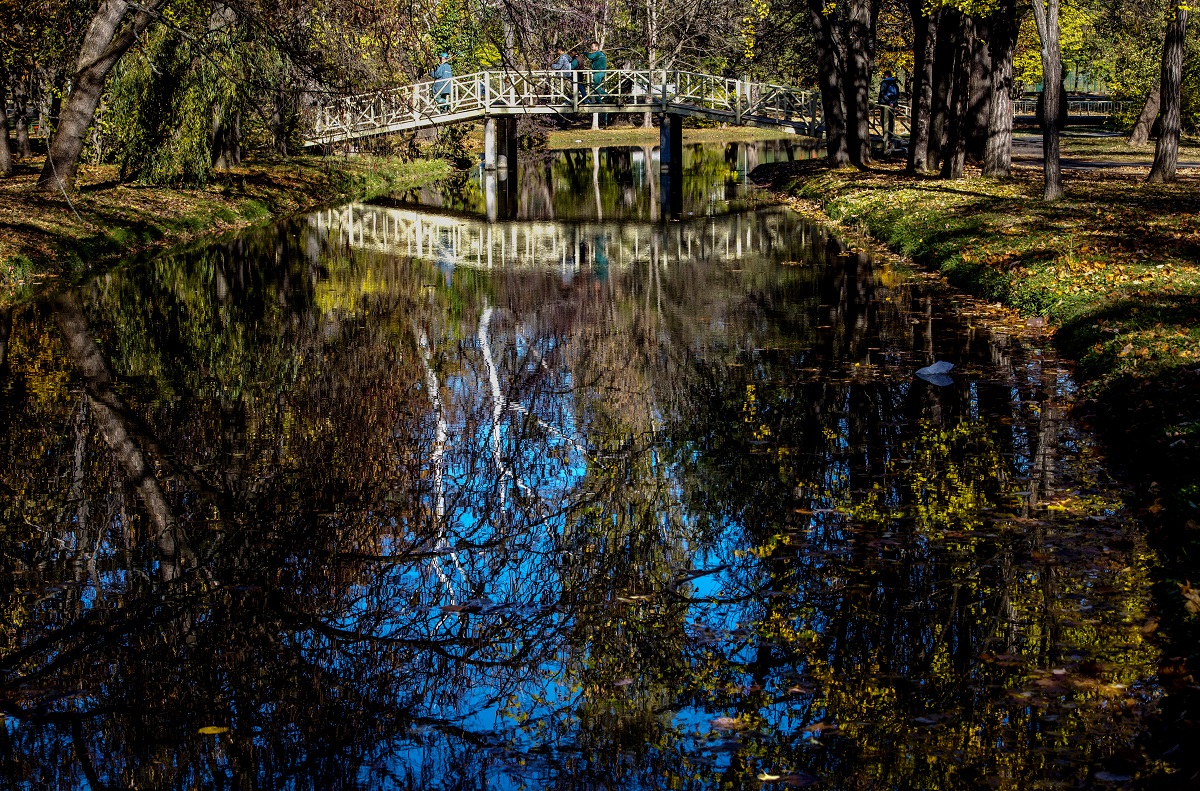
x: 599, y: 63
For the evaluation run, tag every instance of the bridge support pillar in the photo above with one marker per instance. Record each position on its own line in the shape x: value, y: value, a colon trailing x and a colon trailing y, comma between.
x: 510, y: 145
x: 670, y: 161
x: 489, y: 144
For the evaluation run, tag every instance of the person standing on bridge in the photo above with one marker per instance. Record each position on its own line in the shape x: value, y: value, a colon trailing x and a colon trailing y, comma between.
x: 563, y: 64
x: 562, y: 67
x: 441, y: 82
x: 599, y: 62
x: 889, y: 99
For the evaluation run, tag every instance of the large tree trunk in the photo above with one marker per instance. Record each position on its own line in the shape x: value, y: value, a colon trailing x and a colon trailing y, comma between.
x: 226, y: 138
x: 830, y: 73
x: 1141, y: 128
x: 109, y: 36
x: 860, y: 53
x: 956, y: 151
x: 997, y: 155
x: 1045, y: 13
x: 925, y: 27
x: 1166, y: 151
x: 110, y: 414
x: 943, y: 85
x: 5, y: 152
x: 979, y: 98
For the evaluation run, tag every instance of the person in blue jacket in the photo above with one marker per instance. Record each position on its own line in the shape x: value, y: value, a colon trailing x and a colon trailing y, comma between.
x: 441, y: 81
x: 889, y: 96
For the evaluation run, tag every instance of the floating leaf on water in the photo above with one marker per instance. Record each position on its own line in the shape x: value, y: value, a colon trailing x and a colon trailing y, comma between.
x: 213, y: 730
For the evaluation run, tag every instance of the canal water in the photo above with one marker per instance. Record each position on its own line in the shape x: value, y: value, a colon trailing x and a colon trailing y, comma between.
x: 392, y: 496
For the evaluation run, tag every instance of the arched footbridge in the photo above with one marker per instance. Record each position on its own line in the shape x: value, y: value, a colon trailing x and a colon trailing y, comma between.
x: 507, y: 94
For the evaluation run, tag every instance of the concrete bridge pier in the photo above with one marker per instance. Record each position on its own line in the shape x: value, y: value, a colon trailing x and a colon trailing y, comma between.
x: 500, y: 143
x: 670, y: 162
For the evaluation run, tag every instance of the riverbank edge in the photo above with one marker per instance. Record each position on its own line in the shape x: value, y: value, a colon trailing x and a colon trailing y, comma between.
x: 1144, y: 408
x: 48, y: 240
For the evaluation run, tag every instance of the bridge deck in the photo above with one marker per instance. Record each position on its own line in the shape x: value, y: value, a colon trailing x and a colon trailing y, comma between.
x: 506, y: 93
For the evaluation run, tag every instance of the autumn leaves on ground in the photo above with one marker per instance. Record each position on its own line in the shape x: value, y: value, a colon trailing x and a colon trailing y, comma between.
x: 43, y: 236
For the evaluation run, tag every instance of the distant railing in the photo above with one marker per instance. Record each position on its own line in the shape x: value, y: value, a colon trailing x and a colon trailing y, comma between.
x: 1084, y: 107
x: 497, y: 93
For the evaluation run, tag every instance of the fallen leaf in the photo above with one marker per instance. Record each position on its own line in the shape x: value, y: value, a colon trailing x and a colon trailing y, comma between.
x: 727, y: 724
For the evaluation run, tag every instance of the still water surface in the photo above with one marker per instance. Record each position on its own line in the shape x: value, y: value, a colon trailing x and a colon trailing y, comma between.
x: 395, y: 497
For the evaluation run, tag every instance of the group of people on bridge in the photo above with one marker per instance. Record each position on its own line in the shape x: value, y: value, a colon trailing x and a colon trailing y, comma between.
x: 568, y: 64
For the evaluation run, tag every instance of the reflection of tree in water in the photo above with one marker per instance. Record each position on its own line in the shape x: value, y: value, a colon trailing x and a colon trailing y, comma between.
x: 449, y: 532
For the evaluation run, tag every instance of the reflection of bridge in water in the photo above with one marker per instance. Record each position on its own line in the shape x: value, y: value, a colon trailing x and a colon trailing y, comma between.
x: 458, y: 241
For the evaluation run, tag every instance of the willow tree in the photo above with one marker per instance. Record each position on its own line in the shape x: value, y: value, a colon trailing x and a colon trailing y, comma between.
x: 115, y: 27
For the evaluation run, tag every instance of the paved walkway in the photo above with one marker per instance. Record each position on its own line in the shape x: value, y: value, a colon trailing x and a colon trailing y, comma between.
x: 1027, y: 152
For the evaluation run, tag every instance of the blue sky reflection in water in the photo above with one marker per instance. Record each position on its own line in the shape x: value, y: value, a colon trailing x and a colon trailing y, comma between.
x: 553, y: 503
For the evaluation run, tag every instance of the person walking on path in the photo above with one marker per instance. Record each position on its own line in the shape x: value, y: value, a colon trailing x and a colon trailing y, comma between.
x: 441, y: 82
x: 889, y: 98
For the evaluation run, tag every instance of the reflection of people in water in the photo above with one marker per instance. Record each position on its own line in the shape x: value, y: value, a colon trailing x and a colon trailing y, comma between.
x: 600, y: 267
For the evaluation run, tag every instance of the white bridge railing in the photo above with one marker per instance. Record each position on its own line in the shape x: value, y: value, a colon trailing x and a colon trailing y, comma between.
x: 498, y: 93
x: 1085, y: 107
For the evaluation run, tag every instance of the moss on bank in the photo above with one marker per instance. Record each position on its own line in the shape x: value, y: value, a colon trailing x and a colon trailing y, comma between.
x: 42, y: 237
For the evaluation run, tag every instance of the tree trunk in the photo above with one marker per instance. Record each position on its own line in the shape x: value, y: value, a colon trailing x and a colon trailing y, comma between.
x: 226, y: 138
x: 979, y: 97
x: 110, y: 414
x: 6, y: 166
x: 108, y: 37
x: 997, y: 155
x: 1045, y: 13
x: 926, y: 27
x: 830, y: 73
x: 1166, y: 151
x: 1145, y: 121
x: 860, y: 53
x: 21, y: 123
x: 956, y: 153
x: 943, y: 84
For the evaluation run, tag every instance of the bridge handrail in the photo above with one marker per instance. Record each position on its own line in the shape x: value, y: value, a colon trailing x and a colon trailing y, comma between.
x: 512, y: 92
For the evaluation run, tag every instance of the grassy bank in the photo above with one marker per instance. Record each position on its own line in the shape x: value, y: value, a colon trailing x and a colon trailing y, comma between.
x: 1113, y: 270
x: 44, y: 237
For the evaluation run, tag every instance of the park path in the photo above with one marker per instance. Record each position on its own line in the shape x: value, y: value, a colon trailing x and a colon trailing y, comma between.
x: 1027, y: 152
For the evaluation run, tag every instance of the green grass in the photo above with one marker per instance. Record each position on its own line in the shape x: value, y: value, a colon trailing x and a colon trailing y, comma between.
x: 42, y: 240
